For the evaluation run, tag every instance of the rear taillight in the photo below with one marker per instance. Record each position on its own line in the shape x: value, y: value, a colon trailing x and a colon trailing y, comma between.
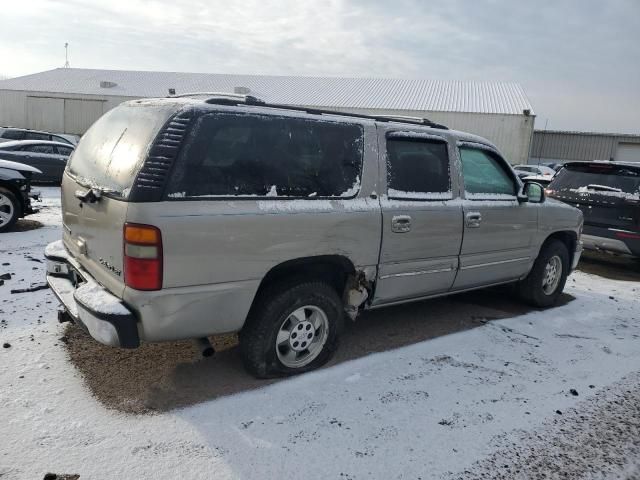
x: 629, y: 235
x: 142, y: 257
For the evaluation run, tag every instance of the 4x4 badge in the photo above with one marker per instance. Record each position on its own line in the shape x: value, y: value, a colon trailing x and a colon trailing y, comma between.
x: 110, y: 267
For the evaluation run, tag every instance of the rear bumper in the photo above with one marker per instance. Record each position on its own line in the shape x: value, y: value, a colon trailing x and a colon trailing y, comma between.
x: 612, y: 240
x: 107, y: 319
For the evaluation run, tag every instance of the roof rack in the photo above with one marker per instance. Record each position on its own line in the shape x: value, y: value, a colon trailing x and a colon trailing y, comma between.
x: 222, y: 98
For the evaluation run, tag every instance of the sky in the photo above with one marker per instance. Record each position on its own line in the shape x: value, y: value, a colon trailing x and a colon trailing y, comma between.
x: 578, y: 61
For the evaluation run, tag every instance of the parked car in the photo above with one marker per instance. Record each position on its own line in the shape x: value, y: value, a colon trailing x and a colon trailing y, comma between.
x: 608, y: 194
x: 15, y: 193
x: 541, y: 179
x: 8, y: 134
x: 554, y: 166
x: 48, y: 157
x: 185, y: 218
x: 524, y: 171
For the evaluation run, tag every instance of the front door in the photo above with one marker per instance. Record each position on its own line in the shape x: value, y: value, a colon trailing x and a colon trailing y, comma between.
x: 498, y: 229
x: 422, y: 224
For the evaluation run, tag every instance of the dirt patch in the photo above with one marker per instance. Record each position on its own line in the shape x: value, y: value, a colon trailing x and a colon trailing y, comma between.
x: 596, y: 440
x: 161, y: 377
x: 615, y: 267
x: 23, y: 225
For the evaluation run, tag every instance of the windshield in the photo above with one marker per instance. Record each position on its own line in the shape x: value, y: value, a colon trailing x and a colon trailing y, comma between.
x: 598, y: 178
x: 113, y: 149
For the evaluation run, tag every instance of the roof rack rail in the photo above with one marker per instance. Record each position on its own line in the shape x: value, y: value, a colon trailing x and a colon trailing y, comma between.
x: 222, y: 98
x: 378, y: 118
x: 409, y: 119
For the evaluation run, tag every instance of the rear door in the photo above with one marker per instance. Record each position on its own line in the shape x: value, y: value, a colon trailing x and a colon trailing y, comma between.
x: 107, y: 158
x: 498, y: 230
x: 421, y: 218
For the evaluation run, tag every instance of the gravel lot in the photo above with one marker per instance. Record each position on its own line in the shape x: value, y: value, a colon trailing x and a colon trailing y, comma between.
x: 472, y: 386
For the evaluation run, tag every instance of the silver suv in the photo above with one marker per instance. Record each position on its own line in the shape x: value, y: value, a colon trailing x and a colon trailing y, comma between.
x: 190, y: 217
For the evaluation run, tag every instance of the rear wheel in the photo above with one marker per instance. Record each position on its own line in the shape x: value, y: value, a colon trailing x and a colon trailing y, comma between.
x: 292, y: 329
x: 545, y: 282
x: 9, y: 209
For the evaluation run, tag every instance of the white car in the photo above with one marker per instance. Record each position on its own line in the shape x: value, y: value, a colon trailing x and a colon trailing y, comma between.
x: 534, y: 170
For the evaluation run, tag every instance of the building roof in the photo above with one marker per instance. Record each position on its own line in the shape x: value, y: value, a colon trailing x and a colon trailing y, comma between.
x: 331, y: 92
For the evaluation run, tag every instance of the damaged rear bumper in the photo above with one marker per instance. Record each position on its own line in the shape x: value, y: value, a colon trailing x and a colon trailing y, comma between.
x: 107, y: 319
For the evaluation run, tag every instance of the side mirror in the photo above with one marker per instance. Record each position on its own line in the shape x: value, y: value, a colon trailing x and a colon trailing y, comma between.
x: 534, y: 192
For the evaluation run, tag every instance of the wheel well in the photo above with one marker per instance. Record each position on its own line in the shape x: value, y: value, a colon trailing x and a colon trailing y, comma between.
x: 333, y: 269
x: 570, y: 239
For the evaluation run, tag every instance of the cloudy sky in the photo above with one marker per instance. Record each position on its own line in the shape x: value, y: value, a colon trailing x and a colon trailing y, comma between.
x: 578, y: 61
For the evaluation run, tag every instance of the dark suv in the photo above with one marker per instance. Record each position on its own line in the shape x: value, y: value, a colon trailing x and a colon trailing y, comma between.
x: 609, y: 196
x: 11, y: 133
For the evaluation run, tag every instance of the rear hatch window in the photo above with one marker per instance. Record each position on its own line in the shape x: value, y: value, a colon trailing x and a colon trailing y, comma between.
x: 250, y: 155
x: 607, y: 194
x: 614, y: 181
x: 114, y: 148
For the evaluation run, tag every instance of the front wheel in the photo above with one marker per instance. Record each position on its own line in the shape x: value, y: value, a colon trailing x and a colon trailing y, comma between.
x: 292, y: 329
x: 9, y: 209
x: 545, y: 282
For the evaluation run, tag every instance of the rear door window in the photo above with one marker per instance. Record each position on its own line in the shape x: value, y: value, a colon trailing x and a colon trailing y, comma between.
x: 259, y: 155
x: 66, y: 151
x: 418, y: 169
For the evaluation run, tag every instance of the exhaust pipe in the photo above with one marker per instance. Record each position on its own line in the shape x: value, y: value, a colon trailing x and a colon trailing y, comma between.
x: 206, y: 349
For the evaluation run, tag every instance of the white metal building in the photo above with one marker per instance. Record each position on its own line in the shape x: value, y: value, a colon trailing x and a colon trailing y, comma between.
x: 69, y: 100
x: 559, y: 147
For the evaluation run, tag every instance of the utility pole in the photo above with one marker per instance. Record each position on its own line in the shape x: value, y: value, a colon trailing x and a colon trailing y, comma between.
x: 66, y: 55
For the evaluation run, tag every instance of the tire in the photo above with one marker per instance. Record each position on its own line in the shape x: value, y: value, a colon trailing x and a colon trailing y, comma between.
x: 10, y: 209
x: 537, y: 289
x: 284, y: 314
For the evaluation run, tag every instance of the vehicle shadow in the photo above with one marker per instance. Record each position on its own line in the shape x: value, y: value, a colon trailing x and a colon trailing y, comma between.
x: 614, y: 267
x: 162, y: 377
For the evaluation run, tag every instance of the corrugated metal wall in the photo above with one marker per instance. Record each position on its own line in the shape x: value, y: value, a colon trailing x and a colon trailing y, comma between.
x: 566, y: 146
x: 67, y: 113
x: 61, y: 113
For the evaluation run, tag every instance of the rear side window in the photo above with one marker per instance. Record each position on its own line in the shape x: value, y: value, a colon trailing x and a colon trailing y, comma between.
x: 260, y: 155
x: 603, y: 179
x: 485, y: 176
x: 112, y: 151
x: 10, y: 134
x: 417, y: 169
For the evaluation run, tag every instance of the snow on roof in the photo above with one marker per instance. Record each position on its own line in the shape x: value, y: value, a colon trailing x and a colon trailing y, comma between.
x: 334, y: 92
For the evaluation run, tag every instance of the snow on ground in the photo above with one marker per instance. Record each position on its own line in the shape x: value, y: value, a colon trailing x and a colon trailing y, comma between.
x: 442, y: 408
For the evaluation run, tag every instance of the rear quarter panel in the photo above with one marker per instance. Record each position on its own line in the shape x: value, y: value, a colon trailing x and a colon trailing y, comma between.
x: 217, y: 251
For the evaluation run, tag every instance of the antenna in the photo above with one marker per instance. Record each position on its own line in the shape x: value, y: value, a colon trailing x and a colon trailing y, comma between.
x: 66, y: 55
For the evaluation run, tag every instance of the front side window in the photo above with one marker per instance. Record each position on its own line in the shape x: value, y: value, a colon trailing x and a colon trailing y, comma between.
x: 260, y: 155
x: 485, y: 175
x: 417, y: 169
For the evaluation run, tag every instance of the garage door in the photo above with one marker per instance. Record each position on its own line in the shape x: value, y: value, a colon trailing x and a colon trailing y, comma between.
x: 79, y: 115
x: 45, y: 114
x: 628, y: 152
